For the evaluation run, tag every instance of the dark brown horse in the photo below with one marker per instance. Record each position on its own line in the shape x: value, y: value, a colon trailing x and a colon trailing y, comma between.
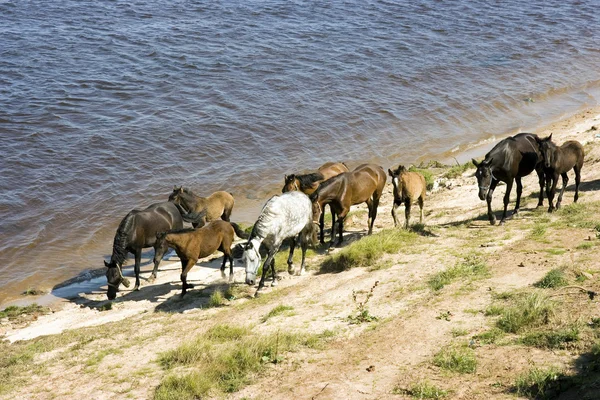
x: 217, y: 205
x: 558, y: 160
x: 363, y: 184
x: 193, y: 244
x: 509, y: 160
x: 308, y: 183
x: 409, y: 187
x: 137, y: 231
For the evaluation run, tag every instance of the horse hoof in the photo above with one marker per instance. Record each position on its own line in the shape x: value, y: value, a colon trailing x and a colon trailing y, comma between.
x: 302, y: 272
x: 136, y: 289
x: 492, y: 222
x: 274, y: 284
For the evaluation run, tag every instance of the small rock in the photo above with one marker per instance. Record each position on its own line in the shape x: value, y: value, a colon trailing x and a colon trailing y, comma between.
x: 371, y: 368
x: 521, y: 265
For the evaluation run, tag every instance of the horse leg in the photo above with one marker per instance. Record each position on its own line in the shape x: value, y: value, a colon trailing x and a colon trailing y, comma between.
x: 488, y: 199
x: 421, y: 203
x: 407, y: 205
x: 274, y: 283
x: 394, y: 207
x: 226, y: 214
x: 159, y: 252
x: 541, y: 180
x: 519, y: 191
x: 373, y: 213
x: 290, y: 260
x: 266, y: 266
x: 370, y: 217
x: 341, y: 218
x: 506, y: 199
x: 565, y: 180
x: 551, y: 190
x: 230, y: 266
x: 304, y: 246
x: 186, y: 267
x: 322, y: 226
x: 577, y: 170
x: 223, y: 266
x: 136, y: 269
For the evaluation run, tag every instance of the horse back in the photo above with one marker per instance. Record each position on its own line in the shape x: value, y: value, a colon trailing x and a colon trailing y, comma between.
x: 413, y: 185
x: 159, y: 217
x: 201, y: 242
x: 331, y: 169
x: 217, y: 203
x: 515, y: 156
x: 365, y: 181
x: 572, y: 154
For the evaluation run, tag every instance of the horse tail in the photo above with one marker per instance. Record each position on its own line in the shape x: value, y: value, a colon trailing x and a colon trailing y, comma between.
x: 238, y: 231
x: 310, y: 234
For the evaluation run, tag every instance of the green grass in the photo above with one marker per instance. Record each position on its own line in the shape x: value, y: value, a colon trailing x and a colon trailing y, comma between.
x: 224, y: 359
x: 456, y: 358
x: 536, y: 381
x: 579, y: 215
x: 423, y: 390
x: 278, y: 310
x: 585, y: 246
x: 216, y: 299
x: 538, y: 231
x: 367, y: 251
x: 531, y: 311
x: 551, y: 339
x: 471, y: 267
x: 427, y: 174
x: 14, y: 312
x: 555, y: 252
x: 457, y: 170
x: 553, y: 279
x: 456, y: 332
x: 490, y: 337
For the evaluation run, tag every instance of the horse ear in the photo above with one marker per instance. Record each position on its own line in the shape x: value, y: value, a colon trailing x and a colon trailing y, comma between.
x: 107, y: 265
x: 390, y: 172
x: 475, y: 163
x: 550, y: 137
x: 174, y: 187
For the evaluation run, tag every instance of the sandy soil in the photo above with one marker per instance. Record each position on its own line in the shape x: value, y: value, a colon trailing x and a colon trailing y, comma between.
x: 363, y: 361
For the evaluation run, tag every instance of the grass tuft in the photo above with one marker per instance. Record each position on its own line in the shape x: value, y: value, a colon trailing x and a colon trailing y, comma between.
x: 551, y: 339
x: 536, y: 381
x: 553, y: 279
x: 216, y: 299
x: 368, y: 250
x: 278, y: 310
x: 224, y: 358
x: 457, y: 170
x: 532, y: 311
x: 456, y: 358
x: 423, y: 390
x: 470, y: 267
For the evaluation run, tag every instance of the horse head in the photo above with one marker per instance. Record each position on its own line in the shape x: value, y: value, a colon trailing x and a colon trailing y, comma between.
x: 484, y: 176
x: 251, y: 259
x: 397, y: 183
x: 174, y: 196
x: 114, y: 277
x: 547, y: 148
x: 291, y: 183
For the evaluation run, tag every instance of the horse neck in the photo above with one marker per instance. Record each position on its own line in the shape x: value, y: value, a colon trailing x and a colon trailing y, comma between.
x: 192, y: 201
x: 330, y: 192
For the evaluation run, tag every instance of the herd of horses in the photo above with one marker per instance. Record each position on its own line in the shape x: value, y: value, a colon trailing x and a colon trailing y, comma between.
x: 296, y: 213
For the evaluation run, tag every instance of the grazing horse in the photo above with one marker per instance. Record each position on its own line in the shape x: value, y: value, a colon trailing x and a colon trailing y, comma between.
x: 408, y: 188
x: 308, y: 183
x: 193, y: 244
x: 363, y: 184
x: 282, y: 217
x: 509, y: 160
x: 217, y: 205
x: 559, y: 161
x: 137, y: 231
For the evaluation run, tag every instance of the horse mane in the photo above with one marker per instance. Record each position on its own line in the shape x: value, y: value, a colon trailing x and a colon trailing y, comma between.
x: 119, y: 254
x: 307, y: 180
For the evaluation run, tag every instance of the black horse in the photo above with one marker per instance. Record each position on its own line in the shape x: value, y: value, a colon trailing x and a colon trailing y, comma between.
x: 137, y: 231
x: 558, y: 160
x: 509, y: 160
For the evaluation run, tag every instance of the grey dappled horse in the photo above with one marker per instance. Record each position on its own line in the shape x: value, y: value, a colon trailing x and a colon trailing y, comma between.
x: 286, y: 216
